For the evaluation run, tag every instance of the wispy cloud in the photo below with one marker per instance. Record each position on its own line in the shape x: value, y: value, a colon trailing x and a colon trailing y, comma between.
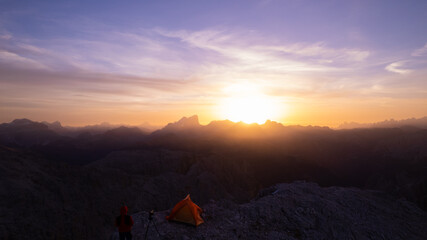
x: 208, y: 58
x: 321, y: 51
x: 5, y: 36
x: 251, y: 50
x: 420, y: 52
x: 12, y: 59
x: 398, y: 67
x: 183, y: 54
x: 155, y: 68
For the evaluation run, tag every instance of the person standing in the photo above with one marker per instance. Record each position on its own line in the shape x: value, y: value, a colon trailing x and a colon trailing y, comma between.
x: 124, y: 224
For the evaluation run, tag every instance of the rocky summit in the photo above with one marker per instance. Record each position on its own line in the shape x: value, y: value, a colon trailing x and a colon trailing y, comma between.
x: 297, y: 210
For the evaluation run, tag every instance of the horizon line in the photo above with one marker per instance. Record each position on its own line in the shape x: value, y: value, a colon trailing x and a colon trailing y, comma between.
x: 154, y: 127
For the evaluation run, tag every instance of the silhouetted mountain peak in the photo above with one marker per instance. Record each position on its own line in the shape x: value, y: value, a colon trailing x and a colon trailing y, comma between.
x: 184, y: 123
x: 25, y: 123
x: 218, y: 123
x: 389, y: 123
x: 272, y: 123
x: 122, y: 130
x: 56, y: 124
x: 22, y: 121
x: 190, y: 121
x: 24, y: 132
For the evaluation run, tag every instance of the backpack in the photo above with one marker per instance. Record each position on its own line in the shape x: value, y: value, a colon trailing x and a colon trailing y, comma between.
x: 126, y: 218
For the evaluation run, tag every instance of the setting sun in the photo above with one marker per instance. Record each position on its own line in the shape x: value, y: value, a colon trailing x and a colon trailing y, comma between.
x: 247, y: 104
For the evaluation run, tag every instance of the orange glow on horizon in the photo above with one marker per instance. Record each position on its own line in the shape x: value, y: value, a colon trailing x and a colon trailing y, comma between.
x: 246, y: 103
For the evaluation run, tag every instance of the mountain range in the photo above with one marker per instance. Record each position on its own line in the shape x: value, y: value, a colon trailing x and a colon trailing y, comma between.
x: 58, y: 185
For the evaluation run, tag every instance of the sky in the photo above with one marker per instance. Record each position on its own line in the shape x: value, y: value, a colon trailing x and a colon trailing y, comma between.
x: 292, y: 61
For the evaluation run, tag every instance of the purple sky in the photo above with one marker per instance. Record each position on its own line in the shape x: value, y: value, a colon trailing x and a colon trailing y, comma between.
x: 324, y: 62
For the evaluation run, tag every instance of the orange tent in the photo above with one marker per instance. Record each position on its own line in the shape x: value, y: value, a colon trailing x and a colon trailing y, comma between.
x: 187, y: 212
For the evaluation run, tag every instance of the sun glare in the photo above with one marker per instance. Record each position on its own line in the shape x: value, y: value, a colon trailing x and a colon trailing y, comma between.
x: 247, y: 104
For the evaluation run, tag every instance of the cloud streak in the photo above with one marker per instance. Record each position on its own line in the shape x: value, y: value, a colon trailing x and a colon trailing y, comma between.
x: 298, y: 57
x: 203, y: 57
x: 420, y: 52
x: 398, y: 67
x: 151, y: 69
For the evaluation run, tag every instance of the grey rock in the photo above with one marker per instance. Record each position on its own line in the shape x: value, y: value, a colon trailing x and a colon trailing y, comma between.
x: 299, y: 211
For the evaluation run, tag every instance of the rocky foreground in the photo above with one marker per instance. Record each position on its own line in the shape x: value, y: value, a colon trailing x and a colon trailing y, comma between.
x: 298, y: 211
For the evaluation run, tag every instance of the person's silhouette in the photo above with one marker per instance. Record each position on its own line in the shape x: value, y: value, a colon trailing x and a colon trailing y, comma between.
x: 124, y: 224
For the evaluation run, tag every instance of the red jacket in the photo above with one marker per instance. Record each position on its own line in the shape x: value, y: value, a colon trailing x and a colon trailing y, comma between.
x: 122, y: 226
